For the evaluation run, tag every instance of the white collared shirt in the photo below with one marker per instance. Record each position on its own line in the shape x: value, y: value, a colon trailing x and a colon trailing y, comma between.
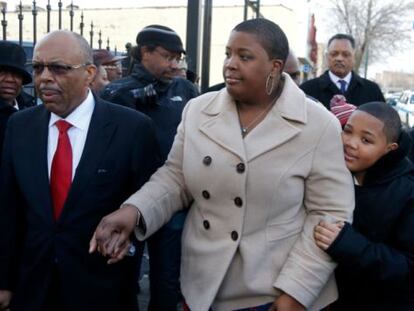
x: 16, y: 105
x: 80, y: 118
x: 335, y: 79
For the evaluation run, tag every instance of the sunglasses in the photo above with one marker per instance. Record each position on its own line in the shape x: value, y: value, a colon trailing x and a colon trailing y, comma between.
x: 55, y: 68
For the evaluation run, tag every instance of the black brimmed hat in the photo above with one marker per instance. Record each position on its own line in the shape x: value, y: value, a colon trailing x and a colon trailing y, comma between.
x: 13, y: 58
x: 158, y: 35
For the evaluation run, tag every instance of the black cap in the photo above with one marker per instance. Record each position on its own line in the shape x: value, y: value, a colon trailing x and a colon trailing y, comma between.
x: 13, y: 58
x: 158, y: 35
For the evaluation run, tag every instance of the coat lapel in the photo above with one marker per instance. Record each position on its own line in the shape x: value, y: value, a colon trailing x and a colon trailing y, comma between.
x: 37, y: 161
x: 100, y: 133
x: 326, y: 83
x: 353, y: 83
x: 279, y: 125
x: 222, y: 124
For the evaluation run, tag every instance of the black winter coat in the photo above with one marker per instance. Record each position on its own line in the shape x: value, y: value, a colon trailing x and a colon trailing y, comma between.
x: 360, y: 91
x: 162, y: 102
x: 376, y: 253
x: 24, y: 101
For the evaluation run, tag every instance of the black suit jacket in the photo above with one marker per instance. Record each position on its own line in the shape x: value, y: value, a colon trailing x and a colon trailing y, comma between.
x: 120, y: 154
x: 360, y: 90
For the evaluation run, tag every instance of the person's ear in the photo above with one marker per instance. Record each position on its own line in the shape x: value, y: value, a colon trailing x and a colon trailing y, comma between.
x: 277, y: 66
x: 91, y: 73
x: 392, y: 147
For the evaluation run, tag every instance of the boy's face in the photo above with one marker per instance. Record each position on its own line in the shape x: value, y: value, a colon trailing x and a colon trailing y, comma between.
x: 364, y: 141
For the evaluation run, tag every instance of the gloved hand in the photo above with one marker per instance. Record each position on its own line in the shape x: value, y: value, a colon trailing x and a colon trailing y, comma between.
x: 145, y: 96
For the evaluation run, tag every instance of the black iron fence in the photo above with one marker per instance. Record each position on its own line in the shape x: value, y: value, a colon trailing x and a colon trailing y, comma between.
x: 95, y: 38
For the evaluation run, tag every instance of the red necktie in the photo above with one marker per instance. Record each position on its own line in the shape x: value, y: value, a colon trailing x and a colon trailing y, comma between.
x: 61, y: 172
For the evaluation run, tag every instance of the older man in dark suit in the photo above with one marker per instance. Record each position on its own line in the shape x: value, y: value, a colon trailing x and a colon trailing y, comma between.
x: 340, y: 78
x: 86, y: 157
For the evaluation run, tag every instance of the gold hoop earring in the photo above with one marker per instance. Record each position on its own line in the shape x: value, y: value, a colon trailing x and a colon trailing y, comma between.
x: 270, y: 81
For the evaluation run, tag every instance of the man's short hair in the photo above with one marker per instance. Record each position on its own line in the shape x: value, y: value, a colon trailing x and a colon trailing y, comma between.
x: 270, y: 35
x: 387, y: 115
x: 342, y: 36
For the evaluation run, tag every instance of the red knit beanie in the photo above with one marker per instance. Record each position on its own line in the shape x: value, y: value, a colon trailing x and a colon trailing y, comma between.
x: 341, y: 109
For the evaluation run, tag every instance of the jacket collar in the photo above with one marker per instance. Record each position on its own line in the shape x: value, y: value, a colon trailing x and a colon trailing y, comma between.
x: 5, y: 106
x: 291, y: 104
x: 223, y: 126
x: 326, y: 82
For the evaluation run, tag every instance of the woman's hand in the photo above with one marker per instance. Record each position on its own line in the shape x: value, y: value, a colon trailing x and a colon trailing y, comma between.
x: 111, y: 237
x: 286, y: 302
x: 325, y: 233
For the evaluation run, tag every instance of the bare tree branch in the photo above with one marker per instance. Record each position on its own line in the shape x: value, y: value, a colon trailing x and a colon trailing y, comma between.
x: 379, y: 27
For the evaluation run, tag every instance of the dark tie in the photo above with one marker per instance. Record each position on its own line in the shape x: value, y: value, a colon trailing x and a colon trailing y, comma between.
x: 343, y: 86
x: 61, y: 171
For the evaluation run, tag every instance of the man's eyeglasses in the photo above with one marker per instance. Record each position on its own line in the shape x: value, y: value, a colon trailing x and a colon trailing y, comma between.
x: 169, y: 58
x: 55, y: 68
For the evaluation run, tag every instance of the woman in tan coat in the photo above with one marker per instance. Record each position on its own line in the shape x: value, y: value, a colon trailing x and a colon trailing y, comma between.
x: 259, y: 165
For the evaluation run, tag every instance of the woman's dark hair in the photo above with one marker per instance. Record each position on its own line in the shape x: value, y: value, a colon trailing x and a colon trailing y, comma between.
x: 388, y: 115
x: 270, y: 35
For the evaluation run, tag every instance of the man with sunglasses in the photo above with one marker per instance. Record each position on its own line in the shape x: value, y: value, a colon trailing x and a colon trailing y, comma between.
x: 154, y: 89
x: 67, y: 164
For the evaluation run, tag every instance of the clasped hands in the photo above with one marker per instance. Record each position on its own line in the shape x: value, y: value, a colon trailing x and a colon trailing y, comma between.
x: 111, y: 237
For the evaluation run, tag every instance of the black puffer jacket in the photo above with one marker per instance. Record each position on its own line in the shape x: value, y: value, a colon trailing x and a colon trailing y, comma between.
x: 376, y: 253
x: 162, y: 101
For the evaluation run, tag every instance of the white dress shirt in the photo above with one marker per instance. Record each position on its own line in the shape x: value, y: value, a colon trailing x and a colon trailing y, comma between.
x: 80, y: 119
x: 335, y: 79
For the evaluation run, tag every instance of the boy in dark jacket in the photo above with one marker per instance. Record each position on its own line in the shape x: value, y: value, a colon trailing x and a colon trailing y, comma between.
x: 376, y: 253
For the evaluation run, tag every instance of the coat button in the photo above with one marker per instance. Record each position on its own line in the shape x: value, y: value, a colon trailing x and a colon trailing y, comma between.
x: 207, y: 160
x: 234, y: 235
x: 240, y: 168
x: 206, y: 194
x: 238, y: 201
x: 206, y: 224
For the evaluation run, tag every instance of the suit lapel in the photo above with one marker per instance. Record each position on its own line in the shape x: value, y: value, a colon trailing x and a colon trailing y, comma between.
x: 353, y: 83
x: 222, y: 124
x: 36, y: 163
x: 277, y: 127
x: 326, y: 83
x: 99, y: 135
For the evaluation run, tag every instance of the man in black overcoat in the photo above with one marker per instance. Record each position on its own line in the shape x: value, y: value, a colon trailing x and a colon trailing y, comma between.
x: 340, y: 78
